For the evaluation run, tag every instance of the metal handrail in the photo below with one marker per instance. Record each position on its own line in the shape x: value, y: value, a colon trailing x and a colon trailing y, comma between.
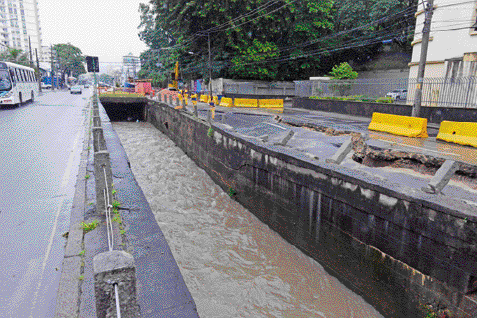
x: 110, y: 234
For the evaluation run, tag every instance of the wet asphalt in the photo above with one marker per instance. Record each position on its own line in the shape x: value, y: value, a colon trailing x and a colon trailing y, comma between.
x: 41, y: 143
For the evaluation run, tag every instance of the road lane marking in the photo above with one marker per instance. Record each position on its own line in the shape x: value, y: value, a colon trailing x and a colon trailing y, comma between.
x: 64, y: 182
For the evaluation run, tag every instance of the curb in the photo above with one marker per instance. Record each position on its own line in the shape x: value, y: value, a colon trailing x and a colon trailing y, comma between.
x: 69, y: 290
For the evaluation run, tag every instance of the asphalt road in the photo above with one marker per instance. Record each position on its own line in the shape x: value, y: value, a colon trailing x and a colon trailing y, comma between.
x: 40, y: 151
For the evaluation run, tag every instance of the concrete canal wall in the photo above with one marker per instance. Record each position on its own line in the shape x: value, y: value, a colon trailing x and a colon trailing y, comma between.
x: 405, y: 253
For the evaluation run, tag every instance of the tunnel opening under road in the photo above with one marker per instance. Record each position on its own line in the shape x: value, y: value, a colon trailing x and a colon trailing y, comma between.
x: 118, y: 112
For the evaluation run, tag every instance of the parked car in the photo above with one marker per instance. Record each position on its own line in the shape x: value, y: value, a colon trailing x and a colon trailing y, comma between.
x: 398, y: 94
x: 76, y: 89
x: 86, y: 85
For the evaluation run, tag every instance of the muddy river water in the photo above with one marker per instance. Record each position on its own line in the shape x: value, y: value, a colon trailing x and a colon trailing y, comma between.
x: 233, y: 264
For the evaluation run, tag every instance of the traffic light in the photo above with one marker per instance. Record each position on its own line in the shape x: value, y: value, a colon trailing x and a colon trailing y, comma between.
x: 92, y: 63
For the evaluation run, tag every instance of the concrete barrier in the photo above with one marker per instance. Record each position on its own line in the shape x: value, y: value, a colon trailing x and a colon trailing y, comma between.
x: 101, y: 161
x: 270, y: 103
x: 113, y: 270
x: 399, y: 125
x: 96, y: 121
x: 245, y: 102
x: 99, y: 144
x: 463, y: 133
x: 110, y: 269
x: 226, y: 102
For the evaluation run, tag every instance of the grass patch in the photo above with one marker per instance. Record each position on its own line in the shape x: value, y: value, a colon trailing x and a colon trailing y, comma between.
x: 210, y: 133
x: 89, y: 226
x: 356, y: 98
x: 117, y: 218
x: 116, y: 204
x: 120, y: 94
x: 231, y: 192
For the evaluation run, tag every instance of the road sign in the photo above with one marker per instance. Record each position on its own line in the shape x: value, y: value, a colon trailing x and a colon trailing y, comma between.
x: 93, y: 64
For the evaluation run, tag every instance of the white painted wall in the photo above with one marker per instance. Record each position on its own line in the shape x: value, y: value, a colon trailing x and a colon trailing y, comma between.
x: 448, y: 44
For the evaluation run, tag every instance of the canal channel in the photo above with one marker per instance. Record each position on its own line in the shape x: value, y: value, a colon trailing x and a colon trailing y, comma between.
x: 233, y: 264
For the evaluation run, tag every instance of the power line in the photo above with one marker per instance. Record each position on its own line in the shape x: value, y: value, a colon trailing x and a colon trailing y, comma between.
x: 393, y: 35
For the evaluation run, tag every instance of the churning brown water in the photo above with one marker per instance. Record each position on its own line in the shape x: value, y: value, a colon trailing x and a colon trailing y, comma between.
x: 233, y: 264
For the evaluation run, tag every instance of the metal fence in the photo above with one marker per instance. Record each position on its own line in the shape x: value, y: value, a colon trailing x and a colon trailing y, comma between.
x: 439, y: 92
x: 249, y: 88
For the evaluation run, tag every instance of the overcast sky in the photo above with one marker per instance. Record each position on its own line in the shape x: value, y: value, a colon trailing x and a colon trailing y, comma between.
x: 103, y: 28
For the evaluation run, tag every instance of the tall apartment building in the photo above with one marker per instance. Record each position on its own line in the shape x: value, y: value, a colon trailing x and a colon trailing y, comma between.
x: 19, y: 21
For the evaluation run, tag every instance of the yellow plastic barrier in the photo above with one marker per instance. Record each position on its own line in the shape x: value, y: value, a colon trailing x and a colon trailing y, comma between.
x: 215, y: 100
x: 226, y: 102
x: 463, y: 133
x: 245, y: 102
x: 399, y: 125
x: 204, y: 98
x: 270, y: 103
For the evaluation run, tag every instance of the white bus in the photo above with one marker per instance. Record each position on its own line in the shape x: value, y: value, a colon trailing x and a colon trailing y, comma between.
x: 17, y: 84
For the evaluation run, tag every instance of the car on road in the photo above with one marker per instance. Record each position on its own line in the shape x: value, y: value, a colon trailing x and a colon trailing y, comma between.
x: 86, y: 85
x: 76, y: 89
x: 45, y: 86
x: 398, y: 94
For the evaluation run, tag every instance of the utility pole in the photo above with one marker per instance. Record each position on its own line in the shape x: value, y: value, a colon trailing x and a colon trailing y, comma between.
x: 63, y: 75
x: 39, y: 73
x: 416, y: 110
x: 29, y: 45
x: 210, y: 72
x: 52, y: 69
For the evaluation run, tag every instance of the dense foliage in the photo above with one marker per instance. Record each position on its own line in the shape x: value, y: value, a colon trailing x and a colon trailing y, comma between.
x: 69, y: 59
x: 267, y: 39
x: 15, y: 56
x: 373, y: 21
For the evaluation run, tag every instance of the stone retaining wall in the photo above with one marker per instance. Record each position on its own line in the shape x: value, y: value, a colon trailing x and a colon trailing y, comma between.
x: 400, y: 251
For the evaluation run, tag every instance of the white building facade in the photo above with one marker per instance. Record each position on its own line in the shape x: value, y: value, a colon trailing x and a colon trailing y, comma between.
x: 19, y: 23
x: 131, y: 66
x: 452, y: 54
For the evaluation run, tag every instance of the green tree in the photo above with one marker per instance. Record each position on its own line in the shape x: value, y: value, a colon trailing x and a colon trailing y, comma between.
x: 15, y: 56
x: 266, y: 44
x: 106, y: 78
x: 70, y: 59
x: 342, y: 72
x: 375, y: 21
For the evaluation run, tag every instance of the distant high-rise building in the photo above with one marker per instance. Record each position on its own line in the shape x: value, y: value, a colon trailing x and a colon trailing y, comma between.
x: 19, y: 22
x: 131, y: 66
